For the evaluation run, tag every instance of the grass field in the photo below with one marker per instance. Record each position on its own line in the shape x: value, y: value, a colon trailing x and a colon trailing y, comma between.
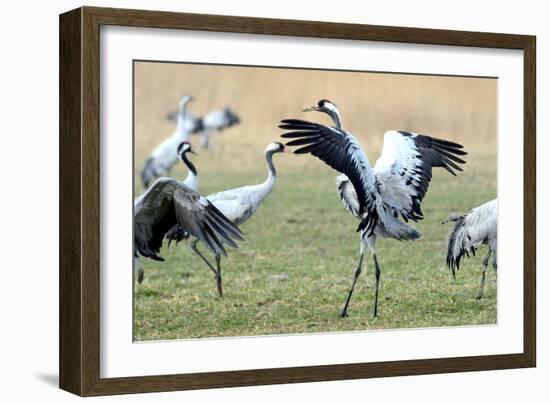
x: 292, y: 273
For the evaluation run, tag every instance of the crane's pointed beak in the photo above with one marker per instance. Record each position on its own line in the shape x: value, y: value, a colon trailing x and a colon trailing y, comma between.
x: 311, y: 108
x: 193, y: 152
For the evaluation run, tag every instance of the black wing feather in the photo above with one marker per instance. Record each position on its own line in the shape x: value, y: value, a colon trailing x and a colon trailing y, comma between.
x: 336, y: 148
x: 432, y: 152
x: 173, y: 210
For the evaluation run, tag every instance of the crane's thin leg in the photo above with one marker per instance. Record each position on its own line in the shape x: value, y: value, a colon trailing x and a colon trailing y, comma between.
x: 482, y: 285
x: 344, y: 312
x: 495, y: 262
x: 219, y: 276
x: 194, y: 247
x: 220, y: 145
x: 141, y: 272
x: 141, y: 275
x: 377, y: 275
x: 204, y: 140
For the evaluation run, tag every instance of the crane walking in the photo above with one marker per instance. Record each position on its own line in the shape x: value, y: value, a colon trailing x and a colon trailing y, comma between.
x: 212, y: 122
x: 384, y: 197
x: 469, y: 232
x: 169, y: 202
x: 238, y: 205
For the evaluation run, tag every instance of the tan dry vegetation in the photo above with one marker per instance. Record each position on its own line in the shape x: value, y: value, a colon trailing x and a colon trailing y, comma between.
x: 456, y: 108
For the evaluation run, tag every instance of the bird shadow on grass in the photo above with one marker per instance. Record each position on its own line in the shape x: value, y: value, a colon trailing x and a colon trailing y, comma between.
x: 49, y: 379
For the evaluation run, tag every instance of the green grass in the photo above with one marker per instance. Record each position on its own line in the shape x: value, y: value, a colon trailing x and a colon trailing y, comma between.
x: 293, y: 272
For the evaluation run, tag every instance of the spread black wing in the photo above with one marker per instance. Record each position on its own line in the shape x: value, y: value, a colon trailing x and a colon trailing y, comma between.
x: 168, y: 203
x: 340, y: 150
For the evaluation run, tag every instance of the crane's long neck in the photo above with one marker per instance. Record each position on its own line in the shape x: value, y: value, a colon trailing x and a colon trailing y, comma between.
x: 180, y: 125
x: 192, y: 179
x: 267, y: 186
x: 335, y: 115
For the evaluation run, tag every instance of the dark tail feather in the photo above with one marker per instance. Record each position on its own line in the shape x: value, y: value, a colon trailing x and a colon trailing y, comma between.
x: 199, y: 126
x: 453, y: 258
x: 368, y: 222
x: 232, y: 118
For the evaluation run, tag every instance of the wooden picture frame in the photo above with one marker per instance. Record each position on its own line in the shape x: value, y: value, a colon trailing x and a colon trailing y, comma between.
x: 80, y: 199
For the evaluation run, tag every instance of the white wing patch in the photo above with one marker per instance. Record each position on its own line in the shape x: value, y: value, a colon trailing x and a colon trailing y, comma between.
x: 397, y: 173
x: 405, y: 167
x: 348, y: 195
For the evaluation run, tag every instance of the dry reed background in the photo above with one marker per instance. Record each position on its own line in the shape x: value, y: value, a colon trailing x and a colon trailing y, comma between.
x: 178, y: 300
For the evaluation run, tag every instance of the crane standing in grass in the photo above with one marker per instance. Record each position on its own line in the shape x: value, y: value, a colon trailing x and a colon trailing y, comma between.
x: 169, y: 202
x: 215, y: 122
x: 469, y: 232
x: 212, y: 122
x: 385, y: 197
x: 238, y: 205
x: 164, y: 156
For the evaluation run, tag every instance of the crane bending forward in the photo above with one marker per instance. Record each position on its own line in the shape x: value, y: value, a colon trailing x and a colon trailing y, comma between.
x: 469, y: 232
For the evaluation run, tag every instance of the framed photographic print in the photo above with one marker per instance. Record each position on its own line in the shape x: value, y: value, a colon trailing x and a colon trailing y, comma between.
x: 249, y: 201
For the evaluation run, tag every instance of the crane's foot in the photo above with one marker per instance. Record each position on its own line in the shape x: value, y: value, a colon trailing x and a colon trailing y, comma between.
x: 344, y: 313
x: 479, y: 297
